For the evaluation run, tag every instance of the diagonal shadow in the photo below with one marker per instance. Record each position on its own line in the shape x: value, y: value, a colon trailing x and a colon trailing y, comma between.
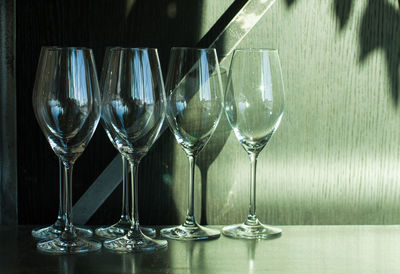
x: 171, y: 23
x: 211, y: 151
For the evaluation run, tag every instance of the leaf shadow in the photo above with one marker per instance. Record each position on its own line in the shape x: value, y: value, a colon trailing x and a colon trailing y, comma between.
x: 343, y: 11
x: 379, y: 30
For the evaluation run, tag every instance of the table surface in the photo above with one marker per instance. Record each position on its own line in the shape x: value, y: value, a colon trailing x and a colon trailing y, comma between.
x: 301, y: 249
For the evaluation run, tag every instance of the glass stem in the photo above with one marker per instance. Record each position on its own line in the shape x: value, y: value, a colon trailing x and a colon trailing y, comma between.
x: 190, y: 221
x: 69, y: 230
x: 251, y: 217
x: 125, y: 190
x: 60, y: 218
x: 134, y: 192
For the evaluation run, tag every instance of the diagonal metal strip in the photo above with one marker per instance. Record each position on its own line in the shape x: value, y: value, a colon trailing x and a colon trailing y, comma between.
x: 225, y: 41
x: 98, y: 192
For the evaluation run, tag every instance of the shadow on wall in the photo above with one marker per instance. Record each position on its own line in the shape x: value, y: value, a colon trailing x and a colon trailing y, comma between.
x: 380, y: 29
x: 171, y: 23
x: 210, y: 153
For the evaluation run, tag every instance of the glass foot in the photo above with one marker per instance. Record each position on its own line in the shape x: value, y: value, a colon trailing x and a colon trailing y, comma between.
x: 257, y: 231
x: 54, y: 231
x: 190, y: 233
x: 121, y: 228
x: 135, y: 241
x: 76, y: 245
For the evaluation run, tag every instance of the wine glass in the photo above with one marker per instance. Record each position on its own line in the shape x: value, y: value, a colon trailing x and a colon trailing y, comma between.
x: 134, y: 106
x: 254, y: 103
x: 123, y: 225
x: 194, y: 107
x: 66, y: 102
x: 54, y: 230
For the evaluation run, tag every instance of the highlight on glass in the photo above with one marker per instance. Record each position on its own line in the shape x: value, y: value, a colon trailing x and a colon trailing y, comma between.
x: 123, y: 225
x: 134, y: 106
x: 194, y: 108
x: 66, y: 102
x: 254, y: 104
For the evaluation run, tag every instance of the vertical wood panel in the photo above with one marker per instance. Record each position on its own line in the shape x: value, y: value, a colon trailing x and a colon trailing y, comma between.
x: 8, y: 141
x: 335, y: 158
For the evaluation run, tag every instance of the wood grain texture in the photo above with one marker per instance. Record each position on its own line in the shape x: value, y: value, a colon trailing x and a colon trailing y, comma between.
x: 335, y: 157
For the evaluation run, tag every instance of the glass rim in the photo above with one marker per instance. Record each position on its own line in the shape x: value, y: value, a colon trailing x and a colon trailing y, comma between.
x: 193, y: 48
x: 57, y: 48
x: 117, y: 48
x: 257, y: 49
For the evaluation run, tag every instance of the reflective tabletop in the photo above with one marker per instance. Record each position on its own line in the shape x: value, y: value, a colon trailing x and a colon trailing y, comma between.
x: 301, y: 249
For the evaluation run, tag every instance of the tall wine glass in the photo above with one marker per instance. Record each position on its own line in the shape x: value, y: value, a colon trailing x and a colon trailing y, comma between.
x: 134, y: 106
x: 55, y: 230
x: 123, y: 225
x: 194, y: 107
x: 254, y: 103
x: 66, y: 102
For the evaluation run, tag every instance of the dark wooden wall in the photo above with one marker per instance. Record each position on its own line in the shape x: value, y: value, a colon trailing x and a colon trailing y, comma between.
x: 8, y: 123
x: 94, y: 24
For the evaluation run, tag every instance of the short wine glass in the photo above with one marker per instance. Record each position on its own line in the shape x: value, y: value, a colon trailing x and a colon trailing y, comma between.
x: 254, y: 104
x: 134, y: 106
x: 194, y: 107
x: 66, y: 102
x: 123, y: 225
